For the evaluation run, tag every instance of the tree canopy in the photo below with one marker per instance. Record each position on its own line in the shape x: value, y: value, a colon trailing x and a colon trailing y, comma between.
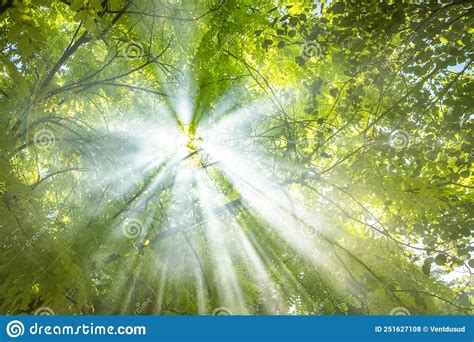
x: 236, y: 157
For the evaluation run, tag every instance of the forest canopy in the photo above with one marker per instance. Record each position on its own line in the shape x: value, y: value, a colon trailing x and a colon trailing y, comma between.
x: 236, y: 157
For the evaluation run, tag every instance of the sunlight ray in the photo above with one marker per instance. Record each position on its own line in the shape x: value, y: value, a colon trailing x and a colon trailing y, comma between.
x: 262, y: 197
x: 162, y: 284
x: 271, y: 296
x: 201, y: 293
x: 228, y: 287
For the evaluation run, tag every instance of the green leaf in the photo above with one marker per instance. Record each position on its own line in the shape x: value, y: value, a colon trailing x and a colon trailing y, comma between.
x: 426, y: 268
x: 76, y: 5
x: 440, y: 259
x: 338, y: 8
x: 18, y: 78
x: 443, y: 39
x: 267, y: 43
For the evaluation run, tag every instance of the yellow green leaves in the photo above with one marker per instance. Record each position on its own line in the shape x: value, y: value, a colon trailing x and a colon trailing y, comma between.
x: 96, y: 4
x: 87, y: 12
x: 17, y: 77
x: 20, y: 13
x: 443, y: 39
x: 26, y: 46
x: 88, y: 18
x: 23, y: 31
x: 76, y: 5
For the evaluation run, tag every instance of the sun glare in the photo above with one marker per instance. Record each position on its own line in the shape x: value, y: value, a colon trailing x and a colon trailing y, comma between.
x: 189, y: 156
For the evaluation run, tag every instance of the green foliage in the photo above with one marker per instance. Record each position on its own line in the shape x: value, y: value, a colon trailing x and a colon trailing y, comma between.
x: 363, y: 109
